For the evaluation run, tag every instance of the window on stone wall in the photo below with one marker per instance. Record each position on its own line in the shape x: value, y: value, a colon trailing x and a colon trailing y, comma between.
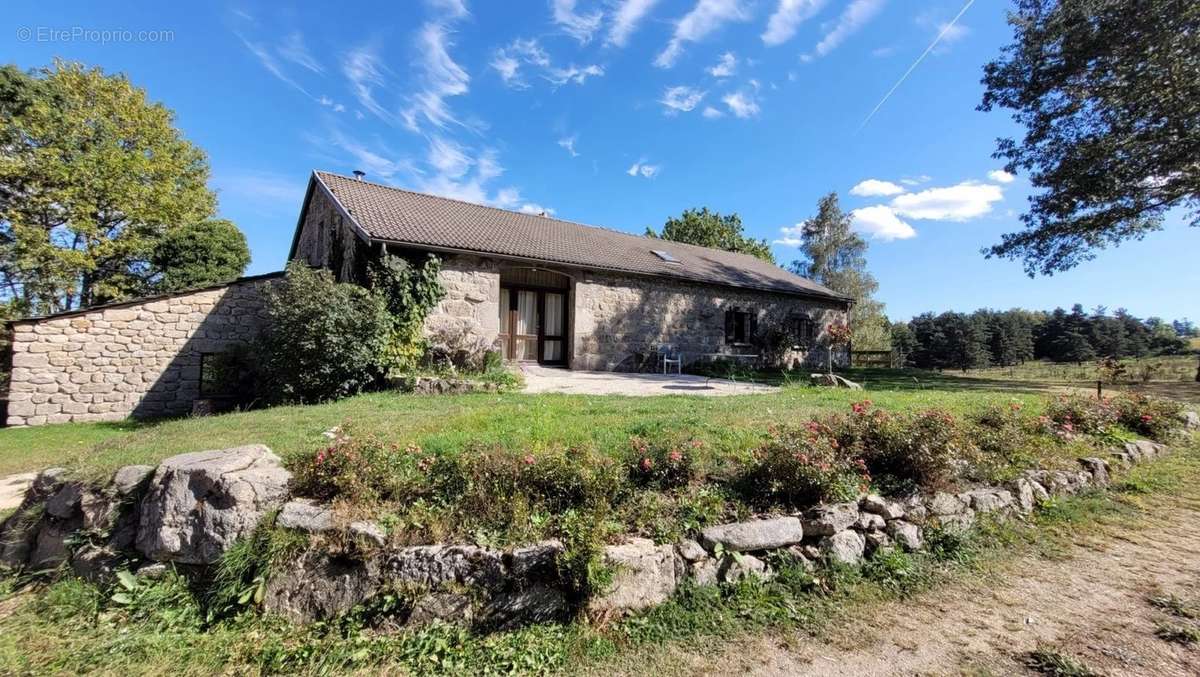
x: 740, y: 325
x: 220, y: 375
x: 802, y: 330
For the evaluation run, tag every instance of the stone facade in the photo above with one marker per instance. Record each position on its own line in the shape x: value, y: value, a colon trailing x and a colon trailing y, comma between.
x: 327, y: 240
x: 137, y: 359
x: 472, y: 301
x: 618, y: 318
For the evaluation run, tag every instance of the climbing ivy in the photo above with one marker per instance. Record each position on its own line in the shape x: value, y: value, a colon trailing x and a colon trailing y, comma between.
x: 410, y: 289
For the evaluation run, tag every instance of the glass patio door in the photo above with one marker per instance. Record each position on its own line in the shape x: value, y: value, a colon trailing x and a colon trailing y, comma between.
x: 533, y: 325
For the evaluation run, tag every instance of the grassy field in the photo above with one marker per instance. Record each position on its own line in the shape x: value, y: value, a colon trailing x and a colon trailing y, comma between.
x: 511, y: 420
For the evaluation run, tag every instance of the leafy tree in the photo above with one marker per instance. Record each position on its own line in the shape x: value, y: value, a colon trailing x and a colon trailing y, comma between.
x: 835, y: 256
x: 199, y: 254
x: 1107, y: 92
x: 323, y: 339
x: 92, y: 175
x: 903, y: 341
x: 710, y: 229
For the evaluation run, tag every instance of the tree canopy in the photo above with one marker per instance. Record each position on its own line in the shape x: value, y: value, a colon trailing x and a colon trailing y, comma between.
x: 1108, y: 94
x: 199, y: 254
x: 711, y: 229
x: 835, y: 256
x: 93, y: 176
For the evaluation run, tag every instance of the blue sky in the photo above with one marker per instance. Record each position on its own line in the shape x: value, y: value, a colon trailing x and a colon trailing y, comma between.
x: 617, y: 113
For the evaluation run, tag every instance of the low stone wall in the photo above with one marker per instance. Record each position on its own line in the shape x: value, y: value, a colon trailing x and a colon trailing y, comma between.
x: 140, y: 359
x: 193, y: 507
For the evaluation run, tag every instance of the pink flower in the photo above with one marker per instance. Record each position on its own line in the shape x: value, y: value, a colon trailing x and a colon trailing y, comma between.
x: 675, y: 457
x: 529, y: 459
x: 1146, y: 418
x: 647, y: 464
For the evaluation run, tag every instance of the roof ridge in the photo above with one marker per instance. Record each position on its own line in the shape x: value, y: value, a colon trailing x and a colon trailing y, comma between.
x: 539, y: 216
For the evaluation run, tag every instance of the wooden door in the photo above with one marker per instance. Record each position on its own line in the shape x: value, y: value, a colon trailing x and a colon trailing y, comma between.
x: 533, y: 325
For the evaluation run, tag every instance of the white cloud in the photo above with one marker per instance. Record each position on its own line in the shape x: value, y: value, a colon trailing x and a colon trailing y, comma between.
x: 725, y: 67
x: 792, y: 236
x: 452, y: 9
x: 855, y: 16
x: 377, y: 161
x: 269, y: 62
x: 1001, y: 176
x: 706, y: 17
x: 339, y: 108
x: 874, y: 187
x: 509, y: 60
x: 741, y: 104
x: 787, y: 19
x: 641, y: 168
x: 572, y: 73
x: 626, y: 19
x: 448, y: 157
x: 442, y: 78
x: 364, y: 70
x: 951, y: 33
x: 568, y: 143
x: 711, y: 113
x: 881, y: 223
x: 960, y: 202
x: 535, y: 209
x: 916, y: 180
x: 681, y: 99
x: 579, y: 26
x: 293, y: 50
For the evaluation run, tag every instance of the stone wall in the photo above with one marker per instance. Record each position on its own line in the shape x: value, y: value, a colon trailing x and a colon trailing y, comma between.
x: 327, y: 240
x: 137, y: 359
x: 617, y: 318
x: 472, y: 301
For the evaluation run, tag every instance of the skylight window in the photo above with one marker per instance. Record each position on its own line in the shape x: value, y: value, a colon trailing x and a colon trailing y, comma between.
x: 665, y: 256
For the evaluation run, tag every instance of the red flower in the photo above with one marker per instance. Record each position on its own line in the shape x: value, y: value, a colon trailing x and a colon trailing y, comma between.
x: 529, y: 459
x: 1146, y: 418
x: 646, y: 464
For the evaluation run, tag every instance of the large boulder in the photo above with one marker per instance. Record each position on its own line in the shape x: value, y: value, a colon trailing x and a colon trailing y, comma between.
x: 318, y: 586
x: 198, y: 504
x: 878, y: 505
x: 644, y: 576
x: 844, y: 547
x: 1191, y: 420
x: 829, y: 519
x: 756, y: 535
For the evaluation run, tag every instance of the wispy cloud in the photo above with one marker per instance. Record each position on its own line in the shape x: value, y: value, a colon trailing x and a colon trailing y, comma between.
x: 706, y: 17
x: 725, y: 67
x: 786, y: 19
x: 365, y: 71
x: 856, y: 15
x: 509, y: 61
x: 579, y: 26
x: 933, y: 45
x: 1001, y: 176
x: 875, y: 187
x: 626, y: 19
x: 680, y: 99
x: 268, y: 61
x: 711, y: 113
x: 451, y: 9
x: 294, y: 50
x: 275, y: 192
x: 742, y: 104
x: 377, y: 160
x: 567, y: 143
x: 442, y: 78
x: 643, y: 169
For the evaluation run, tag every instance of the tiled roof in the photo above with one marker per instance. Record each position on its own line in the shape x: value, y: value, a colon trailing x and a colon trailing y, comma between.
x: 396, y: 215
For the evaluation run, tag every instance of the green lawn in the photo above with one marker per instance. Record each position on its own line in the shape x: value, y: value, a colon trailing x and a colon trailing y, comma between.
x: 513, y: 420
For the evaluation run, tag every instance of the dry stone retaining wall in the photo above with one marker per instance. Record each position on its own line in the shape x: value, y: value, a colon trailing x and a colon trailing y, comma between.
x: 193, y: 507
x: 140, y: 358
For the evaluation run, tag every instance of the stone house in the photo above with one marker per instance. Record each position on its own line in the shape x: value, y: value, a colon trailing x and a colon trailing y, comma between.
x: 556, y: 292
x: 539, y: 289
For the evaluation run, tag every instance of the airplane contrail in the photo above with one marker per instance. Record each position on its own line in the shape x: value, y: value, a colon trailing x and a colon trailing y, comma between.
x: 945, y: 29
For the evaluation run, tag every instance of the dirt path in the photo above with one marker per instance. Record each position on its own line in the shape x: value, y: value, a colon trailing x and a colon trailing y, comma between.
x: 1091, y: 604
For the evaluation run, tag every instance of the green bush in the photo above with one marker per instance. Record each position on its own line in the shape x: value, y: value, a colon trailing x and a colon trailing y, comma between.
x: 1153, y: 417
x: 1072, y: 415
x: 322, y: 339
x: 409, y: 289
x: 800, y: 466
x: 661, y: 465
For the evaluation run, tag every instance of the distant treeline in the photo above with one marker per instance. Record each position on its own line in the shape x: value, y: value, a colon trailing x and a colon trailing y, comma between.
x: 1003, y: 338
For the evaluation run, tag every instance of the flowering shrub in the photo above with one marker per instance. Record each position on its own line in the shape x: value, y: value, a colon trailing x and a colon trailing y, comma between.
x: 926, y: 448
x: 663, y: 466
x: 365, y: 470
x: 1150, y: 416
x: 800, y: 466
x: 1070, y: 415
